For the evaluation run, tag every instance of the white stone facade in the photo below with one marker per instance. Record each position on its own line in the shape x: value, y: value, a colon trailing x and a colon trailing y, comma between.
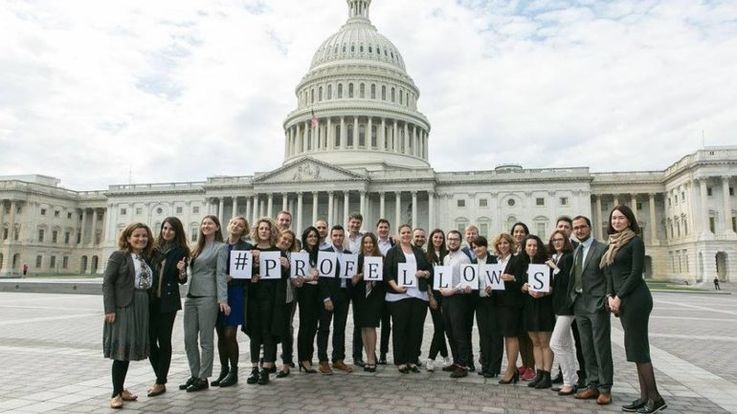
x: 354, y: 145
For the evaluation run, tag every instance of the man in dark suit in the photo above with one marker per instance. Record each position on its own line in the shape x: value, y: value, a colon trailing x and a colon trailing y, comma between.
x: 336, y: 299
x: 587, y: 292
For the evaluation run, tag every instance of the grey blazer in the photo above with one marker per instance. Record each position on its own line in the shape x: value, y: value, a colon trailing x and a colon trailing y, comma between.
x: 209, y: 273
x: 118, y: 281
x: 593, y: 281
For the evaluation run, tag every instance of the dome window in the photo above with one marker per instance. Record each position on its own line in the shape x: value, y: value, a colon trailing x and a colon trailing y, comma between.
x: 350, y: 90
x: 378, y: 50
x: 319, y: 94
x: 393, y: 96
x: 344, y: 48
x: 370, y: 49
x: 353, y: 48
x: 340, y: 91
x: 401, y: 97
x: 362, y: 91
x: 312, y: 95
x: 330, y: 92
x: 360, y: 48
x: 383, y: 92
x: 373, y: 91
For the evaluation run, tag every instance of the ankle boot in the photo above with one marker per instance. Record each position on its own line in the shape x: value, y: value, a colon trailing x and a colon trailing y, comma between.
x: 231, y: 378
x: 223, y: 373
x: 545, y: 382
x: 263, y: 378
x: 253, y: 378
x: 538, y: 378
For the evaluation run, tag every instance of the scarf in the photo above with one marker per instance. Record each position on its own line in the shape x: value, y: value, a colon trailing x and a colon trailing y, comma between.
x: 616, y: 241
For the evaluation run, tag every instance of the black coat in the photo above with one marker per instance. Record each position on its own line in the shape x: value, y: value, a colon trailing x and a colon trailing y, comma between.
x: 512, y: 294
x: 394, y: 256
x: 330, y: 287
x: 170, y: 301
x: 562, y: 304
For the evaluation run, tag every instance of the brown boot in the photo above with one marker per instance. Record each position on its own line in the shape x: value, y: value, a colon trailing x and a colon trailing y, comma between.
x: 341, y: 366
x: 324, y: 368
x: 587, y: 394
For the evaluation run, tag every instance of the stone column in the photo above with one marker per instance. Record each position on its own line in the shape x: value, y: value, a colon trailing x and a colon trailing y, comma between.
x: 235, y: 206
x: 415, y: 142
x: 430, y: 211
x: 369, y: 134
x: 256, y: 208
x: 11, y: 225
x: 343, y: 134
x: 305, y: 135
x: 653, y: 225
x: 270, y: 205
x: 395, y: 137
x: 406, y: 149
x: 221, y: 210
x: 284, y: 200
x: 382, y: 135
x: 704, y: 208
x: 397, y: 209
x: 362, y: 205
x: 414, y: 209
x: 299, y: 213
x: 314, y: 206
x: 382, y: 205
x: 331, y: 203
x: 727, y: 207
x: 330, y: 135
x: 346, y: 204
x: 2, y: 214
x: 82, y: 226
x: 634, y: 204
x: 597, y: 229
x: 94, y: 227
x: 355, y: 132
x: 249, y: 215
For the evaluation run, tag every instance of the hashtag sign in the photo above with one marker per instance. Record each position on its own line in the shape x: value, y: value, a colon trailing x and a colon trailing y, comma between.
x: 241, y: 264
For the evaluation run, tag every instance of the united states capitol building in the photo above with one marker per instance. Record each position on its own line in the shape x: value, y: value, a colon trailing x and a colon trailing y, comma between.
x: 357, y: 142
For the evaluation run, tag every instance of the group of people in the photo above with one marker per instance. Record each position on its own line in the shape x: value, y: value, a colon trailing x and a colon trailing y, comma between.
x: 560, y: 337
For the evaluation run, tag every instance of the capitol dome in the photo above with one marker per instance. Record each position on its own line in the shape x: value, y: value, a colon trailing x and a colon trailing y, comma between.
x: 357, y: 106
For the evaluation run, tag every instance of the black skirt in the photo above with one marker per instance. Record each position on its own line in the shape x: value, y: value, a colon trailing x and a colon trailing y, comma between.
x: 368, y: 308
x: 539, y: 314
x: 510, y: 320
x: 635, y: 315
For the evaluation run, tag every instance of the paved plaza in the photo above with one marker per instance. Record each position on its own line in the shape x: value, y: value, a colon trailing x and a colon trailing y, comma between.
x: 51, y: 359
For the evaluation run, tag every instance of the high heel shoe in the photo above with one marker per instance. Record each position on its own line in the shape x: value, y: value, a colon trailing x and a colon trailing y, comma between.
x: 513, y: 380
x: 263, y: 378
x: 369, y: 367
x: 283, y: 373
x: 307, y: 369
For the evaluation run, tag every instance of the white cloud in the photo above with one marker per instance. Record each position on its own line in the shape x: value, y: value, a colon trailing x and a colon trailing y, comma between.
x: 180, y: 90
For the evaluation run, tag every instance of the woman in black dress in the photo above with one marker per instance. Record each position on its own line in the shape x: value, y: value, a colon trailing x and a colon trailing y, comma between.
x: 287, y: 243
x: 227, y: 325
x: 125, y: 291
x: 538, y: 312
x: 630, y: 299
x: 527, y: 372
x: 170, y: 248
x: 308, y: 297
x: 491, y: 339
x: 368, y: 300
x: 436, y: 252
x: 509, y: 303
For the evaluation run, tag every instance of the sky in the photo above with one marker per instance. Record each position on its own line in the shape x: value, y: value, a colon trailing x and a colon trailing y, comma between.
x: 114, y: 92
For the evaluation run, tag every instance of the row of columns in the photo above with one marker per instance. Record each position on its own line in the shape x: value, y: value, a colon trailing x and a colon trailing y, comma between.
x: 726, y: 227
x: 303, y: 137
x: 261, y: 205
x: 600, y: 217
x: 11, y: 218
x: 96, y: 214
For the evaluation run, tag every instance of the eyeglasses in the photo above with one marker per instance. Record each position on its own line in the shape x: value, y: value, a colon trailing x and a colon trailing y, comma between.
x: 558, y: 240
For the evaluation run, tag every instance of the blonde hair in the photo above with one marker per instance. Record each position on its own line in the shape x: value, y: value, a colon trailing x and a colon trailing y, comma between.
x: 272, y: 227
x: 504, y: 236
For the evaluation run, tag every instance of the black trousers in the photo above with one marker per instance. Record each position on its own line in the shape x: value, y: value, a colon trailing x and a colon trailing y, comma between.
x: 287, y: 343
x: 310, y: 304
x: 438, y: 344
x: 261, y: 333
x: 408, y: 320
x: 339, y: 317
x: 357, y: 338
x: 490, y: 336
x: 456, y: 310
x: 160, y: 326
x: 386, y: 329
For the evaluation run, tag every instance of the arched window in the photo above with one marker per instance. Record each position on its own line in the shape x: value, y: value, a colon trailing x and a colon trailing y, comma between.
x: 312, y: 95
x: 319, y: 94
x: 350, y: 90
x: 349, y: 134
x: 393, y: 95
x: 383, y: 92
x: 330, y: 92
x: 362, y: 136
x: 340, y: 91
x: 373, y: 91
x: 401, y: 97
x: 362, y: 91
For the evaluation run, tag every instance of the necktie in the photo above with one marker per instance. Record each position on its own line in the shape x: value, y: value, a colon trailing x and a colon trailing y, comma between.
x: 578, y: 270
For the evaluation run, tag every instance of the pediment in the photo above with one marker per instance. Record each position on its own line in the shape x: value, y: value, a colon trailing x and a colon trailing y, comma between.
x: 307, y: 170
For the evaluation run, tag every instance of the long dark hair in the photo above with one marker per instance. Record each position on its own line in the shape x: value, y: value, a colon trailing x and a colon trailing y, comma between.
x: 180, y: 239
x: 627, y: 212
x: 128, y: 231
x: 567, y: 245
x: 311, y: 250
x: 375, y: 251
x: 431, y: 256
x: 201, y: 237
x: 541, y: 256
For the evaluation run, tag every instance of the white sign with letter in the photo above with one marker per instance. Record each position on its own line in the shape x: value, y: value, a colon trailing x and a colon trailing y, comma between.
x: 348, y: 265
x: 442, y: 277
x: 406, y: 275
x: 469, y: 277
x: 373, y: 268
x: 326, y: 263
x: 299, y: 264
x: 492, y: 274
x: 269, y: 265
x: 538, y: 278
x: 241, y: 264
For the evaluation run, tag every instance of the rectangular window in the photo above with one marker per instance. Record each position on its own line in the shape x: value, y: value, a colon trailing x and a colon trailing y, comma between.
x: 461, y: 203
x: 731, y: 191
x: 541, y: 230
x: 638, y: 205
x: 179, y: 210
x: 54, y: 236
x: 708, y: 191
x: 56, y: 213
x: 483, y: 229
x: 39, y: 261
x: 40, y: 235
x: 483, y: 202
x: 712, y: 225
x: 196, y: 210
x: 539, y: 201
x: 65, y: 262
x: 675, y: 198
x: 43, y: 211
x: 139, y: 211
x: 564, y: 201
x: 194, y: 234
x: 5, y: 234
x: 52, y: 262
x: 461, y: 227
x: 66, y: 237
x: 123, y: 211
x: 683, y: 195
x: 669, y: 202
x: 734, y: 224
x: 69, y: 216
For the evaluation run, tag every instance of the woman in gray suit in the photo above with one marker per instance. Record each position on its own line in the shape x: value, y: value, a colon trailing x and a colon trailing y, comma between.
x: 125, y: 290
x: 628, y: 297
x: 207, y: 294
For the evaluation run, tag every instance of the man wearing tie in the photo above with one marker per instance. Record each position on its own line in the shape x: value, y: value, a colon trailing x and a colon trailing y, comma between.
x: 588, y: 291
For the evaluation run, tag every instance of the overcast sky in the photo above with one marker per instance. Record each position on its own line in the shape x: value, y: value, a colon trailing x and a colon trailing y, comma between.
x: 181, y: 90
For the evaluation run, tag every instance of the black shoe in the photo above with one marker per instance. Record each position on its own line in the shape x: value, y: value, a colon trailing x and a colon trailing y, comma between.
x: 563, y: 393
x: 414, y: 369
x: 263, y: 377
x: 223, y: 373
x: 306, y: 369
x: 369, y: 368
x: 544, y: 382
x: 634, y: 405
x: 652, y: 407
x: 253, y: 378
x: 472, y: 367
x: 488, y: 374
x: 513, y: 380
x: 459, y: 373
x: 538, y: 378
x: 558, y: 378
x: 282, y: 373
x: 382, y: 359
x: 359, y: 362
x: 230, y: 379
x: 189, y: 382
x: 198, y: 385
